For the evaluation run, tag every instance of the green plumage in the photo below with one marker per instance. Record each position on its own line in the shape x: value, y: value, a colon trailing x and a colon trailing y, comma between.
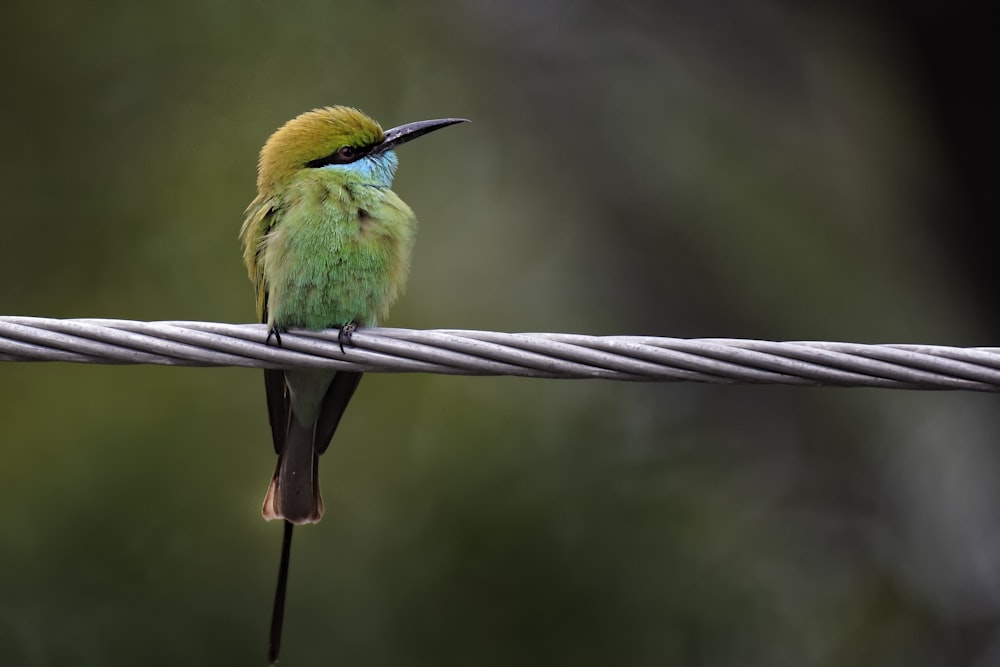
x: 338, y: 251
x: 327, y: 244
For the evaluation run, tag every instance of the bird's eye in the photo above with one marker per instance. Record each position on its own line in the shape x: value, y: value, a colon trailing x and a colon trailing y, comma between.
x: 343, y: 155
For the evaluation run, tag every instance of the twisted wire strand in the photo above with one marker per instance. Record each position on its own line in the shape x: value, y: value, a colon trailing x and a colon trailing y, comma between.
x: 541, y: 355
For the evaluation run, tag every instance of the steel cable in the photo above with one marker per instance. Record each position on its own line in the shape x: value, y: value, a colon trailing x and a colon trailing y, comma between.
x: 543, y: 355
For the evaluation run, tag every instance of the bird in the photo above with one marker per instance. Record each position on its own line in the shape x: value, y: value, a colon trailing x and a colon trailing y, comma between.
x: 327, y: 244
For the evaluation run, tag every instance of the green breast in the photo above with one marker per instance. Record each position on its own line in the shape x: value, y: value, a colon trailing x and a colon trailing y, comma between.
x: 336, y: 255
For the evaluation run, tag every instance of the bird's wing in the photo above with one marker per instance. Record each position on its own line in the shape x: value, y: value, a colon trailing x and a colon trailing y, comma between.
x: 261, y: 216
x: 279, y: 408
x: 334, y: 403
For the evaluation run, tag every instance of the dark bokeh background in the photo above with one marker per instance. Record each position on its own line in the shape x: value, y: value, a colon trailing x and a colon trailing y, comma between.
x: 732, y: 168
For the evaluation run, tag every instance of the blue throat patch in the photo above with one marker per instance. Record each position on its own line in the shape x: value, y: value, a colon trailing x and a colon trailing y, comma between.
x: 376, y: 170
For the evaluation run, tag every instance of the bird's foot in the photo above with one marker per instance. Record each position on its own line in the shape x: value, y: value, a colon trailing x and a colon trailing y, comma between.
x: 345, y: 333
x: 276, y: 332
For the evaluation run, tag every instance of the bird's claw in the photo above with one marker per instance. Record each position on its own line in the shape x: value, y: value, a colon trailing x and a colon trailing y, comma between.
x: 273, y: 331
x: 345, y: 333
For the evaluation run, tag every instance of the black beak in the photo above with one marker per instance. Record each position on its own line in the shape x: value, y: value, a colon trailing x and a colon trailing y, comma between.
x: 398, y: 136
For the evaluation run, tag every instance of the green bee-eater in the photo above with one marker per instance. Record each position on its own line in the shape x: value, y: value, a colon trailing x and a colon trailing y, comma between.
x: 327, y: 244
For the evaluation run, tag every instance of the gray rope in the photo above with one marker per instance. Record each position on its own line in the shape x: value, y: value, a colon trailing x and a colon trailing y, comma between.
x: 542, y: 355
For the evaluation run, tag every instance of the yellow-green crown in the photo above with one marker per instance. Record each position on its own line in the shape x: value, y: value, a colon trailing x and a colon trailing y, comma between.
x: 312, y: 136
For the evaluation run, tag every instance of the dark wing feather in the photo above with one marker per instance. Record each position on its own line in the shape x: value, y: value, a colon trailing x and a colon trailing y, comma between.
x: 278, y: 406
x: 334, y: 403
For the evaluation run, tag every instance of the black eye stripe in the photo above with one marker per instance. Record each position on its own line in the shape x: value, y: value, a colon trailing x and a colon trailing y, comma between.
x: 336, y: 158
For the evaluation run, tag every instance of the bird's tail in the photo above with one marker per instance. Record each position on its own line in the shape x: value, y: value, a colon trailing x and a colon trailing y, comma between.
x: 294, y: 491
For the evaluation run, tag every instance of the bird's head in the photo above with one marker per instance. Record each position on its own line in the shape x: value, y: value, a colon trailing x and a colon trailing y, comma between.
x: 340, y: 139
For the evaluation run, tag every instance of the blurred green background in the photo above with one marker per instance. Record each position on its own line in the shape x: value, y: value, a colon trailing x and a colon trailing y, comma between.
x: 739, y: 169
